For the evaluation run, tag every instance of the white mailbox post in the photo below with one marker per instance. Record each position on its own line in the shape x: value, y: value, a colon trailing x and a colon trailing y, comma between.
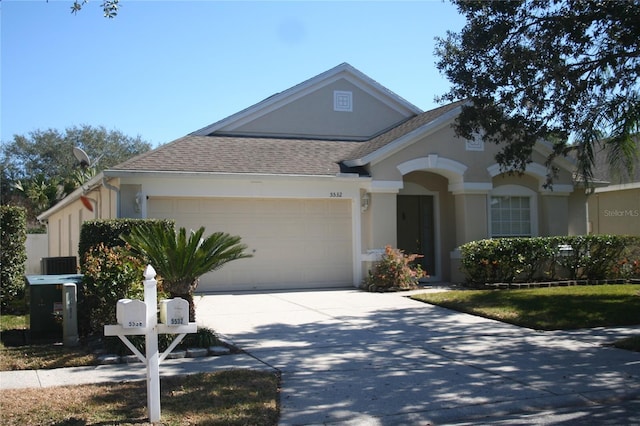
x: 141, y: 318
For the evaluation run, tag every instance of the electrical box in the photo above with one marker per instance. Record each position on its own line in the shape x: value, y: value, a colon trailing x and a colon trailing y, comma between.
x: 131, y: 313
x: 44, y: 297
x: 174, y: 312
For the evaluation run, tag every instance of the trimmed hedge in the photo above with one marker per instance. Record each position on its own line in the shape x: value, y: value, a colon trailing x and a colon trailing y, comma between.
x: 13, y: 255
x: 581, y: 257
x: 107, y: 232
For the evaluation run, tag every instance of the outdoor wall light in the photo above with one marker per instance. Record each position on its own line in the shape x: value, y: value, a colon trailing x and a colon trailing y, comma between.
x: 138, y: 202
x: 365, y: 201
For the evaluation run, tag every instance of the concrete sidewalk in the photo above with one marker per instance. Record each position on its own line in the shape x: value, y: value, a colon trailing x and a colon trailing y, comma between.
x: 124, y: 372
x: 355, y: 358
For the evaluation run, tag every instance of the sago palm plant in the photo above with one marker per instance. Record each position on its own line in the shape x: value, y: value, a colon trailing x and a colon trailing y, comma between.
x: 182, y: 260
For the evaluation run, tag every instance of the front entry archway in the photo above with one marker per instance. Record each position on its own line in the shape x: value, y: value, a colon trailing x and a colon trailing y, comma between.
x: 416, y: 229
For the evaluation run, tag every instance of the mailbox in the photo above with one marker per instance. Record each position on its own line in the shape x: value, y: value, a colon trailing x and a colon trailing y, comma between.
x: 174, y: 312
x: 131, y: 313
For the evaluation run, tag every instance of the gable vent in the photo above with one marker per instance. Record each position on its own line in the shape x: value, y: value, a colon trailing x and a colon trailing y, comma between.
x: 342, y: 101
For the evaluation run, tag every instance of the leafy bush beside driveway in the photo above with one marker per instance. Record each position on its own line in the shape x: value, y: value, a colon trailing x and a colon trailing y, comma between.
x: 582, y: 257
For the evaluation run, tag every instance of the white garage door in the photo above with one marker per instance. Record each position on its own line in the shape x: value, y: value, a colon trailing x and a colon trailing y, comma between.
x: 294, y: 243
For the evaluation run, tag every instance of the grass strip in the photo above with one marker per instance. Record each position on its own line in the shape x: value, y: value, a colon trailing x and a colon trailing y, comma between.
x: 549, y: 308
x: 235, y: 397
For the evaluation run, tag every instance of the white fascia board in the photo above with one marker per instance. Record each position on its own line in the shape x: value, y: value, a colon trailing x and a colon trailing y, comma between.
x: 406, y: 139
x: 216, y: 175
x: 276, y: 101
x: 619, y: 187
x: 403, y: 104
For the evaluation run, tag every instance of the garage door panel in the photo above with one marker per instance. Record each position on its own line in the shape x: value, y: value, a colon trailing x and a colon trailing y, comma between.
x: 295, y: 243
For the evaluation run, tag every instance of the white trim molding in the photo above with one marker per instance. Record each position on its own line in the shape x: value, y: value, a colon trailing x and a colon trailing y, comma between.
x: 539, y: 172
x: 451, y: 169
x: 384, y: 186
x: 470, y: 188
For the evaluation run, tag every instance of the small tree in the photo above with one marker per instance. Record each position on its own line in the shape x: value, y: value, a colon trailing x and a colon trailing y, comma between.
x: 181, y: 261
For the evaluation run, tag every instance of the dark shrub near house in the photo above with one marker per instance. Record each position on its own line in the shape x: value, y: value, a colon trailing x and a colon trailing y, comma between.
x: 109, y: 272
x: 582, y: 257
x: 13, y: 255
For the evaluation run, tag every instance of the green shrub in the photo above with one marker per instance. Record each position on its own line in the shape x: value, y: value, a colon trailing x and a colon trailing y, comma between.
x: 13, y: 255
x: 582, y: 257
x: 394, y: 271
x: 110, y: 274
x: 107, y: 232
x: 628, y: 265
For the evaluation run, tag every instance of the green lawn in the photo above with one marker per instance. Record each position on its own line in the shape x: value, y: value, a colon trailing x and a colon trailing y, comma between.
x: 549, y: 308
x: 237, y: 397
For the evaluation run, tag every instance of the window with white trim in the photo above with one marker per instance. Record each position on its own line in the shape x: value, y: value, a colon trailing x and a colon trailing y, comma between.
x: 513, y: 212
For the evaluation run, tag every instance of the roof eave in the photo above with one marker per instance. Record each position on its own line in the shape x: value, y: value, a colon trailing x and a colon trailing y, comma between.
x: 191, y: 174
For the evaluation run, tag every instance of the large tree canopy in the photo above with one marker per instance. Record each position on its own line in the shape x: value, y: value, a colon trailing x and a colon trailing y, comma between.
x: 40, y: 169
x: 561, y: 70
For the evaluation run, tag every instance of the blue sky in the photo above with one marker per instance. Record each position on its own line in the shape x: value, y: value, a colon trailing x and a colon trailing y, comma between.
x: 162, y: 69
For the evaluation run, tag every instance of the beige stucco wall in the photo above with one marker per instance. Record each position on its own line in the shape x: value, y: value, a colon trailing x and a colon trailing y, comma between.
x: 383, y: 217
x: 464, y: 181
x: 615, y: 211
x: 471, y: 217
x: 313, y: 116
x: 554, y: 215
x: 63, y: 226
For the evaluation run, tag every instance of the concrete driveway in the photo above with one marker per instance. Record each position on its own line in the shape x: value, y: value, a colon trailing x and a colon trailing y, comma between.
x: 356, y: 358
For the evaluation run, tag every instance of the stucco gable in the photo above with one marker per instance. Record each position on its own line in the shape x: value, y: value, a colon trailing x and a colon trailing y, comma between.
x: 314, y: 109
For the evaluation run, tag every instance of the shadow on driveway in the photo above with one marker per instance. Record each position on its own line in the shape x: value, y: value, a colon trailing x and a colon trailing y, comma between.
x: 354, y: 357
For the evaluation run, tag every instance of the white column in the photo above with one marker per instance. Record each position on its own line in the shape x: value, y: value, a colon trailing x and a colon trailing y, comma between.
x: 151, y: 341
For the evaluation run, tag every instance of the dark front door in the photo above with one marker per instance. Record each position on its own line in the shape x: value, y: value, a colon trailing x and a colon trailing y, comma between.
x: 416, y: 230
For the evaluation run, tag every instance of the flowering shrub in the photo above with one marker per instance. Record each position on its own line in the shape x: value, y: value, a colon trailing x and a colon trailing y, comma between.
x: 394, y: 271
x: 110, y: 274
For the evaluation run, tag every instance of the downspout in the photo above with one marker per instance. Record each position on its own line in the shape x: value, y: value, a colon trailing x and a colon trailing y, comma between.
x: 117, y: 191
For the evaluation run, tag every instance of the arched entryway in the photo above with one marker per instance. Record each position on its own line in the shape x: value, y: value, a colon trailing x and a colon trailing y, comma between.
x: 426, y: 219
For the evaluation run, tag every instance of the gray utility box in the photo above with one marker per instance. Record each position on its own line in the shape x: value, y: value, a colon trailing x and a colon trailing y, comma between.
x: 44, y: 297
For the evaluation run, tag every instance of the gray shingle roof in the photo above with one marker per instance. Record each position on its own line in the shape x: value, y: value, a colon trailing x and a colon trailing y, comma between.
x: 280, y: 156
x: 228, y: 154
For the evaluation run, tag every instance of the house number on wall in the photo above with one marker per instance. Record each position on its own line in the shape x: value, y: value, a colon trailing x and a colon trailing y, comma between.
x: 335, y: 194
